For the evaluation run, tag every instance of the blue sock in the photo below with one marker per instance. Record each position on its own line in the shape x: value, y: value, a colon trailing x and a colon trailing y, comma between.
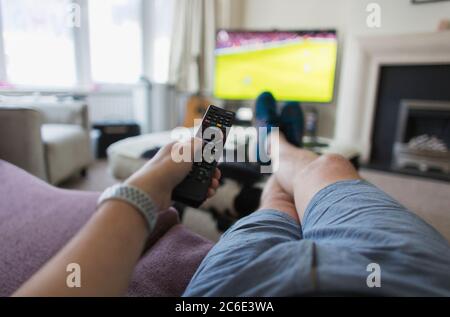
x: 266, y: 117
x: 292, y: 123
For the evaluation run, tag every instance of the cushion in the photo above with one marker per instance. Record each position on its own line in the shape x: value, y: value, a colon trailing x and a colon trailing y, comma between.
x: 37, y: 220
x: 67, y: 149
x: 169, y: 265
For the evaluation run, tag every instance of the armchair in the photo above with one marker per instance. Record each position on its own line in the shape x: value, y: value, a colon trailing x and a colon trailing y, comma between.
x: 50, y: 141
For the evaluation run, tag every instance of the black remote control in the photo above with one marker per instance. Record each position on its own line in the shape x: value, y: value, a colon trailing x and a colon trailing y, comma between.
x: 216, y: 125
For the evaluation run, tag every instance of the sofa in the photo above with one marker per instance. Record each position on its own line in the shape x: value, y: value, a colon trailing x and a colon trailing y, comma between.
x: 37, y: 220
x: 51, y: 141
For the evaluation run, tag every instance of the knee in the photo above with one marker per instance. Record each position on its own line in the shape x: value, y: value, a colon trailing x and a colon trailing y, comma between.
x: 335, y: 160
x: 333, y: 165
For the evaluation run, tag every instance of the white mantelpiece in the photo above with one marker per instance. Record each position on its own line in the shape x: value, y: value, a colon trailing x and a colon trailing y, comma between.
x: 357, y: 102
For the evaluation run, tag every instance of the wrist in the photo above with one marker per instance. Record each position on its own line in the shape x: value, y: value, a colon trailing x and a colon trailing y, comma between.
x: 126, y: 215
x: 155, y: 187
x: 135, y: 198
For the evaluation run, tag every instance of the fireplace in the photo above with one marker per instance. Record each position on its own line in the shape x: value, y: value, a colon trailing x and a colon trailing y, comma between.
x: 381, y: 71
x: 423, y: 138
x: 411, y: 130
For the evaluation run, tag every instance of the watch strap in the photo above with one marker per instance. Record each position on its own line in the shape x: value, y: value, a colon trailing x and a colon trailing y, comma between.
x: 134, y: 197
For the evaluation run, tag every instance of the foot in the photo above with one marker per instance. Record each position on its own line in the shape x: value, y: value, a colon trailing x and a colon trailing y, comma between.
x: 291, y: 161
x: 292, y: 123
x: 266, y: 117
x: 266, y: 110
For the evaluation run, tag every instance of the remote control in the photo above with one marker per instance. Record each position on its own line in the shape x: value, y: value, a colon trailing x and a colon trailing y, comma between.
x: 216, y: 125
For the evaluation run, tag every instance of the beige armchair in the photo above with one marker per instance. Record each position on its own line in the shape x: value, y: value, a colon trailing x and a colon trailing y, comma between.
x: 50, y: 141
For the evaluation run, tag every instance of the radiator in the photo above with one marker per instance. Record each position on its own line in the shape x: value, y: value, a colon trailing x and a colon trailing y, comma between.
x: 111, y: 106
x: 130, y: 104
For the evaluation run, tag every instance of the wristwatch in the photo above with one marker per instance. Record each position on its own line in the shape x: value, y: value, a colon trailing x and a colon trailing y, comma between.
x: 134, y: 197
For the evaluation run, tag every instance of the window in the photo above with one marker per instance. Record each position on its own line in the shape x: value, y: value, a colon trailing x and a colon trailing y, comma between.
x: 115, y: 40
x: 162, y: 20
x: 38, y: 42
x: 41, y: 46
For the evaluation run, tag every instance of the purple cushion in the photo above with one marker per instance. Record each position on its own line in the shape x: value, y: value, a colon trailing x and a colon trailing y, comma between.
x: 168, y: 267
x: 37, y: 220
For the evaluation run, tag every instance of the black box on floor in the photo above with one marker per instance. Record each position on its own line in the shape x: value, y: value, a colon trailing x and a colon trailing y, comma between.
x: 111, y: 132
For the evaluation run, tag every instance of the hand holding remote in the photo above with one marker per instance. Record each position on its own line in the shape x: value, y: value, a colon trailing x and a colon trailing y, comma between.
x: 162, y: 174
x: 216, y: 125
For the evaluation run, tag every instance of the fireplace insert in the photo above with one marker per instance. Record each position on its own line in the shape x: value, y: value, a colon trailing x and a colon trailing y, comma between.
x: 423, y: 137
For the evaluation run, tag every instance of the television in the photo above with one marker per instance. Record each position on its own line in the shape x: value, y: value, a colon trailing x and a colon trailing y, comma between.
x: 292, y: 65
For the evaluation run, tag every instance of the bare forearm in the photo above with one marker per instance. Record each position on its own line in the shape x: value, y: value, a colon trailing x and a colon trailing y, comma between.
x: 110, y: 245
x: 107, y: 250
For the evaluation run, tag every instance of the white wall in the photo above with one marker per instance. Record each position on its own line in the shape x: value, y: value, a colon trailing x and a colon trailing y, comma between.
x: 349, y: 18
x: 398, y: 17
x: 293, y: 13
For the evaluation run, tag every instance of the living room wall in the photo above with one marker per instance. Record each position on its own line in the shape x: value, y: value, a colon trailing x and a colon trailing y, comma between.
x: 398, y: 17
x: 349, y: 18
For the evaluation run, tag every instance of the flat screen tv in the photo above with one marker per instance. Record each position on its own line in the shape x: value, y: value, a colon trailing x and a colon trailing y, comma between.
x: 293, y: 65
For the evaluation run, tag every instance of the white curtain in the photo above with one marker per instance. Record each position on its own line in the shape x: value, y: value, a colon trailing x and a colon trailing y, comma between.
x: 193, y: 43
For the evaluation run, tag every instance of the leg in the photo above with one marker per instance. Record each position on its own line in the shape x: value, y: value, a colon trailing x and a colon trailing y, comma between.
x: 228, y: 268
x: 303, y: 174
x: 276, y: 198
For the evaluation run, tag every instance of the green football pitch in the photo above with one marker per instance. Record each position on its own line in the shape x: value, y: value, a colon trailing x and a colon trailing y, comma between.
x: 303, y: 71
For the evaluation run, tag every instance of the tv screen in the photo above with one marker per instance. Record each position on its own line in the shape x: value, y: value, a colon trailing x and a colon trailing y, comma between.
x: 293, y: 66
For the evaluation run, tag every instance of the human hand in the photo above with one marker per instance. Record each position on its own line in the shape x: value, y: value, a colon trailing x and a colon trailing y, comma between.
x: 159, y: 177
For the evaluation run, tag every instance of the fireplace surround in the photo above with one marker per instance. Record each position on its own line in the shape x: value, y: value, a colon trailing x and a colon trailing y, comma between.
x: 359, y: 98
